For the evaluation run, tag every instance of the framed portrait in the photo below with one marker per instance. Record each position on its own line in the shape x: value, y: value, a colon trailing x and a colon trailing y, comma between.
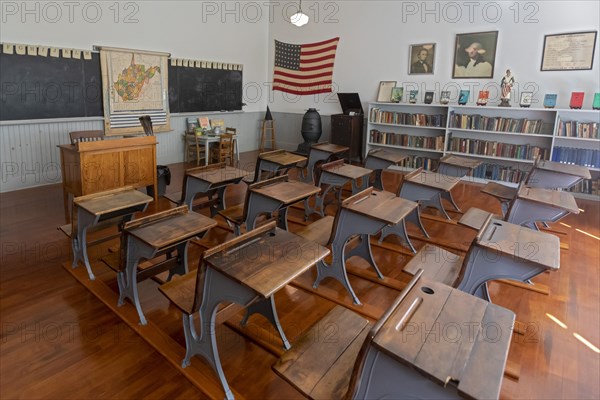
x: 569, y: 51
x: 475, y: 55
x: 421, y: 59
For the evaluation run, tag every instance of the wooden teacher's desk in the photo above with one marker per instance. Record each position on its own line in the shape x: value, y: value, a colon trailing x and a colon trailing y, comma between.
x: 91, y: 167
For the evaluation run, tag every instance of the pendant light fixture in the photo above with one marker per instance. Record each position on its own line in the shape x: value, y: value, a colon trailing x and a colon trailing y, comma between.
x: 299, y: 18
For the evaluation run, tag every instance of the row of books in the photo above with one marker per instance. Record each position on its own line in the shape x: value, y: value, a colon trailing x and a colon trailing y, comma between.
x: 400, y: 139
x: 570, y: 155
x: 589, y: 186
x: 586, y: 130
x: 497, y: 149
x: 499, y: 124
x: 415, y: 162
x: 499, y: 173
x: 387, y: 117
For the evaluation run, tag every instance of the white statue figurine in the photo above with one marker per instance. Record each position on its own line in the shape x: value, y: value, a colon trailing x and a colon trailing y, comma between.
x: 506, y: 85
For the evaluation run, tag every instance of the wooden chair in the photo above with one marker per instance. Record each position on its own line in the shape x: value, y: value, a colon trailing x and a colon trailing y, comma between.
x: 86, y: 136
x: 223, y: 153
x: 194, y: 149
x: 146, y: 122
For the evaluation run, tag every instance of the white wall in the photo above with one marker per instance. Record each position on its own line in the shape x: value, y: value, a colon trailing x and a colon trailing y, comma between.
x: 375, y: 38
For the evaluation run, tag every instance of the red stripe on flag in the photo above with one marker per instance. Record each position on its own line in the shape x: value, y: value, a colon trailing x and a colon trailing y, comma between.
x: 304, y: 52
x: 314, y: 60
x: 316, y: 67
x: 301, y: 92
x: 320, y: 43
x: 298, y: 76
x: 308, y: 84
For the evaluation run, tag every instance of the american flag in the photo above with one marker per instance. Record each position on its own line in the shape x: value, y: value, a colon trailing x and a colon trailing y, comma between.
x: 304, y: 68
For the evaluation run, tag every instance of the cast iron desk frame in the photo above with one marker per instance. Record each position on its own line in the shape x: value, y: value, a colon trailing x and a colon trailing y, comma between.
x: 319, y: 152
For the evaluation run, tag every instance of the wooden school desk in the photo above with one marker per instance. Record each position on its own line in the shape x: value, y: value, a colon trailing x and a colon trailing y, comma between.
x: 277, y: 162
x: 434, y: 342
x: 363, y: 214
x: 378, y: 160
x: 150, y: 236
x: 554, y: 175
x: 210, y: 180
x: 319, y: 152
x: 451, y: 165
x: 334, y: 175
x: 247, y: 270
x: 92, y: 209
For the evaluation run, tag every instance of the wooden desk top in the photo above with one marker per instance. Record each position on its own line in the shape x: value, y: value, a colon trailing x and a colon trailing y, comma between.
x: 474, y: 358
x: 463, y: 162
x: 110, y: 144
x: 498, y: 190
x: 563, y: 200
x: 394, y: 158
x: 170, y: 230
x: 266, y: 259
x: 282, y: 157
x: 434, y: 180
x: 567, y: 169
x: 346, y: 170
x: 112, y: 200
x: 330, y: 148
x: 218, y: 175
x: 518, y: 241
x: 383, y: 206
x: 288, y: 192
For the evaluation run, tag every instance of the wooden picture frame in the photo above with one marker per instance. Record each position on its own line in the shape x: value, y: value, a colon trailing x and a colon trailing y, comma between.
x: 569, y: 51
x: 385, y: 91
x: 421, y: 59
x: 475, y: 55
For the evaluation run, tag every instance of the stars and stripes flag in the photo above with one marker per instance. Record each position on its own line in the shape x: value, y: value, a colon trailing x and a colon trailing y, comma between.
x: 304, y: 68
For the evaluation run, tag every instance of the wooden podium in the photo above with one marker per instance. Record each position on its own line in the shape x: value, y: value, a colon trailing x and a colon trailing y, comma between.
x: 91, y: 167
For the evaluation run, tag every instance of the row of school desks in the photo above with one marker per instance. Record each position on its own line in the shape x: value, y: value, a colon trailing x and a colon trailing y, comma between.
x: 248, y: 269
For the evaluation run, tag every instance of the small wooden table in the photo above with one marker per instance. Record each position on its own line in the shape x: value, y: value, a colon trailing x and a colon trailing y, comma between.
x: 536, y: 204
x: 248, y: 270
x: 363, y: 214
x: 277, y: 197
x: 320, y: 152
x: 94, y: 208
x: 147, y: 237
x: 378, y: 160
x: 335, y: 175
x: 210, y: 180
x: 206, y: 140
x: 554, y: 175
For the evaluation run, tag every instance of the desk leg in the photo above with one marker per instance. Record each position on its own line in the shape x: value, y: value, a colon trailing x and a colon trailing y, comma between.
x: 266, y: 308
x: 400, y: 228
x: 79, y: 242
x: 206, y: 146
x: 127, y: 280
x: 363, y: 250
x: 218, y: 288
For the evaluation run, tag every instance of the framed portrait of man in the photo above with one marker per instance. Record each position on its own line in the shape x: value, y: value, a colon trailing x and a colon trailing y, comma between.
x: 475, y: 55
x: 421, y: 58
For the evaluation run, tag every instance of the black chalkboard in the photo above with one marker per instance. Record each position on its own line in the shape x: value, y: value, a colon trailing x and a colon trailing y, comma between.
x: 34, y: 87
x: 49, y: 87
x: 204, y: 89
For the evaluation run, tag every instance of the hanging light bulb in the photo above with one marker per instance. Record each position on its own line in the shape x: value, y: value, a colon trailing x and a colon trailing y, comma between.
x: 299, y: 18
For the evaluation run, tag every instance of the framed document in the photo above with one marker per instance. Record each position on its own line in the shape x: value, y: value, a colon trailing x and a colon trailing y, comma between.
x: 569, y: 51
x: 385, y: 91
x: 526, y: 99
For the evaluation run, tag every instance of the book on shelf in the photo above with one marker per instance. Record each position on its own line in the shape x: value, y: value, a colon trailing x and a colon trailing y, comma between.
x: 204, y: 123
x: 496, y: 172
x: 577, y: 156
x: 444, y: 97
x: 482, y: 99
x: 397, y: 93
x: 404, y: 140
x: 412, y: 96
x: 587, y: 186
x: 428, y: 98
x: 217, y: 123
x: 576, y: 100
x: 497, y: 149
x: 399, y: 118
x: 550, y: 100
x: 583, y: 130
x: 499, y: 124
x: 463, y: 97
x: 414, y: 162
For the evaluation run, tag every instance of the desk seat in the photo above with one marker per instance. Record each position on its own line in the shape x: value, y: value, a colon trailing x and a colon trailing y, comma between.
x: 319, y: 231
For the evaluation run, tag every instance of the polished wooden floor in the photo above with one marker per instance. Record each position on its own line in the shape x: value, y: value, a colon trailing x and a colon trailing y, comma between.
x: 60, y: 341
